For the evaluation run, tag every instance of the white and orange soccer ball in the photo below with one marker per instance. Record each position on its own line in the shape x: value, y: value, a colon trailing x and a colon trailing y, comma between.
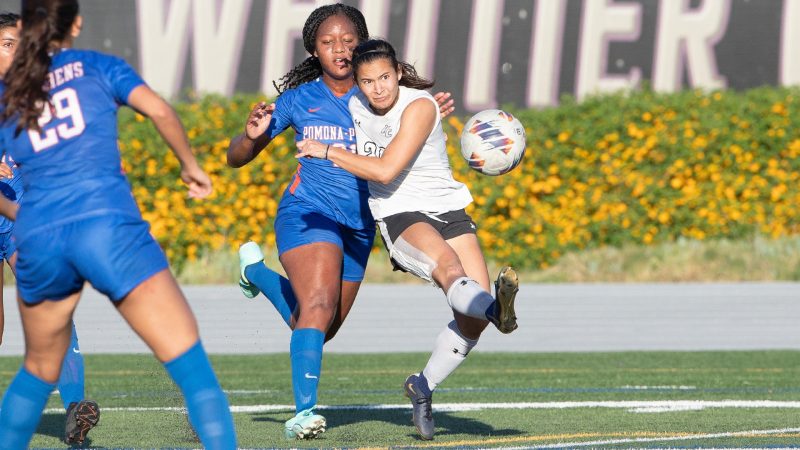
x: 493, y: 142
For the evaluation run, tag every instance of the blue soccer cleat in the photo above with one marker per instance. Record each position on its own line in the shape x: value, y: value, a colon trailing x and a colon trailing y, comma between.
x: 305, y: 425
x: 249, y: 253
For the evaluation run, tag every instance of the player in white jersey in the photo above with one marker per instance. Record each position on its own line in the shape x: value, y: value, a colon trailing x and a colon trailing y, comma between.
x: 419, y: 208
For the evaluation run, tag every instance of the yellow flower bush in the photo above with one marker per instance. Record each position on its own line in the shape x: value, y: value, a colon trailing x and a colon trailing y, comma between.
x: 638, y: 167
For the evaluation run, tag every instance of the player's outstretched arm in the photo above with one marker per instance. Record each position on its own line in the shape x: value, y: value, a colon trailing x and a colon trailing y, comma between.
x: 416, y: 122
x: 246, y: 146
x: 168, y: 124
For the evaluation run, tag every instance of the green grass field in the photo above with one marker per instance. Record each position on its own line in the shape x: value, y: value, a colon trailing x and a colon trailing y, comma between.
x: 687, y: 399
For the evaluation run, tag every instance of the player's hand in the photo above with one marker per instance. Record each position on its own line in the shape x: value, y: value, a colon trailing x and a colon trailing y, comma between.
x: 258, y: 120
x: 445, y: 103
x: 309, y: 148
x: 198, y: 181
x: 5, y: 171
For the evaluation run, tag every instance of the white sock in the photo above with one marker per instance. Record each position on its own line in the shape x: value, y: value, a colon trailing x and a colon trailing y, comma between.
x: 466, y: 296
x: 449, y: 352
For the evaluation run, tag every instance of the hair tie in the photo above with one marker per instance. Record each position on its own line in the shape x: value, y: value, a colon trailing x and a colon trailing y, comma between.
x: 41, y: 11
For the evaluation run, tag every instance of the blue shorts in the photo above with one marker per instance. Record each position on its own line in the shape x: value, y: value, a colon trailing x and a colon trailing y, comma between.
x: 299, y: 223
x: 7, y: 246
x: 115, y: 253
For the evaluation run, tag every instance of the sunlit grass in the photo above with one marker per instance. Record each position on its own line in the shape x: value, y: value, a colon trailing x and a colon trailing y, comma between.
x: 139, y: 381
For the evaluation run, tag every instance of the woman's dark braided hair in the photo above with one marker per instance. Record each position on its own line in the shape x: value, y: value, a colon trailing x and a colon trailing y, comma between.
x: 310, y: 69
x: 43, y: 21
x: 373, y: 49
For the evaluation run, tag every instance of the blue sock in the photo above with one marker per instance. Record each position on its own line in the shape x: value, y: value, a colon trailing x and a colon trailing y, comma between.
x: 22, y: 408
x: 208, y: 408
x: 306, y: 353
x: 276, y: 288
x: 70, y: 383
x: 491, y: 311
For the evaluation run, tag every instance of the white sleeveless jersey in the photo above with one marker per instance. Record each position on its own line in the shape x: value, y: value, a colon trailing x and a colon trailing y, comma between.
x: 427, y: 184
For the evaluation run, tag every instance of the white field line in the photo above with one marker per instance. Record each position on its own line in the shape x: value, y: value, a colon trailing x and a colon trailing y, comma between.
x: 633, y: 406
x: 692, y: 437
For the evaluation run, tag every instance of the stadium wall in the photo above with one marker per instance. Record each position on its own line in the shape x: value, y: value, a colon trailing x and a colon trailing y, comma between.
x: 486, y: 52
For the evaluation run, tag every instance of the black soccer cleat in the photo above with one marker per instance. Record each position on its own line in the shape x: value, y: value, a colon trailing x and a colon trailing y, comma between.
x: 82, y: 416
x: 423, y: 413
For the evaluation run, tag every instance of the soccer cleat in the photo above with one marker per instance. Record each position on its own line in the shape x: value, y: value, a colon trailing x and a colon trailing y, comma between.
x: 82, y: 416
x: 505, y: 290
x: 305, y: 425
x: 422, y: 414
x: 249, y: 253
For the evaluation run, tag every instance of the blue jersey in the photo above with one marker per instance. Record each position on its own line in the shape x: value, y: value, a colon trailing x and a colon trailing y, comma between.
x: 71, y: 170
x: 11, y: 188
x: 314, y: 112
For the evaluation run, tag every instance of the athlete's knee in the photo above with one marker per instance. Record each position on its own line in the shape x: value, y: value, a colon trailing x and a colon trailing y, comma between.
x: 447, y: 271
x: 319, y: 304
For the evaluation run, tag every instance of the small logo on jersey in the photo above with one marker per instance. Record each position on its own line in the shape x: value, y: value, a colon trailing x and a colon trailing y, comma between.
x: 472, y: 225
x: 313, y: 110
x: 75, y: 350
x: 387, y: 131
x: 311, y: 377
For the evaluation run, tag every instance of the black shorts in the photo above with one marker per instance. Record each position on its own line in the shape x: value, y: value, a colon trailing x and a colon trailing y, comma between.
x: 406, y: 258
x: 450, y: 224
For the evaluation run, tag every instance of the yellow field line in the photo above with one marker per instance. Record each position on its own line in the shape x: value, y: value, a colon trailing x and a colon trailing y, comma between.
x: 570, y: 436
x: 549, y: 437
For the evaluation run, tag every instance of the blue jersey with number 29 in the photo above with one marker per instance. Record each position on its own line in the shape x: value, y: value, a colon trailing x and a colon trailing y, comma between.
x: 71, y: 169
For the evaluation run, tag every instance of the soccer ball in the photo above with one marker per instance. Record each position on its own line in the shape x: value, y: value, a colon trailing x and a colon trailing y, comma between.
x: 493, y: 142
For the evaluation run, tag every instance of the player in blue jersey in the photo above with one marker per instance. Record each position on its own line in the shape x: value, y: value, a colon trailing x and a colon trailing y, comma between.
x: 82, y: 414
x: 324, y: 228
x: 79, y: 222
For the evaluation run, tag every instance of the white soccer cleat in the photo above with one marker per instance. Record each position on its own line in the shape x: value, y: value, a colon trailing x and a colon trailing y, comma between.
x: 305, y: 425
